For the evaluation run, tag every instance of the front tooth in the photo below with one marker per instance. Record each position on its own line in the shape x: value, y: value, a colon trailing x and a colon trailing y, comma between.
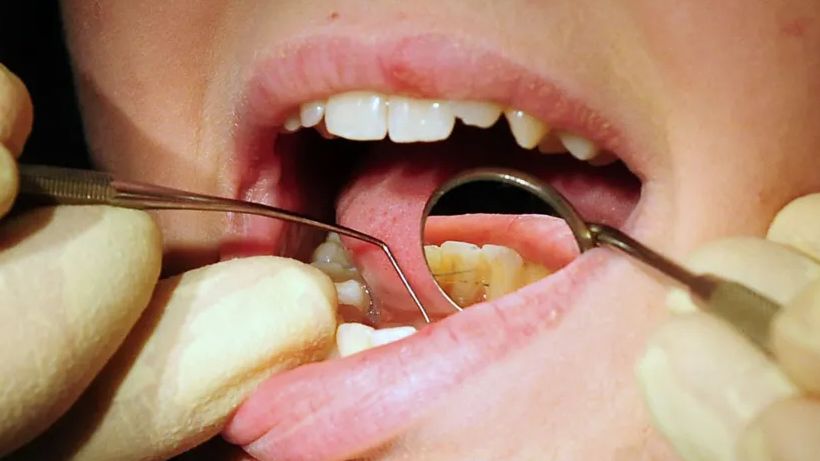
x: 580, y: 147
x: 357, y: 115
x: 526, y: 129
x: 414, y: 120
x: 312, y: 113
x: 389, y: 335
x: 476, y: 113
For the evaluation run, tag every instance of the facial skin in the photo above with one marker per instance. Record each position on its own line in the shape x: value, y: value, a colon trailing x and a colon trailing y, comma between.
x: 718, y: 99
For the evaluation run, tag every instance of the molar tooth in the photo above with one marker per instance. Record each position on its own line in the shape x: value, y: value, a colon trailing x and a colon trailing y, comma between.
x: 414, y: 120
x: 357, y: 115
x: 580, y: 147
x: 331, y: 252
x: 352, y: 293
x: 526, y: 129
x: 292, y: 123
x: 312, y: 113
x: 477, y: 113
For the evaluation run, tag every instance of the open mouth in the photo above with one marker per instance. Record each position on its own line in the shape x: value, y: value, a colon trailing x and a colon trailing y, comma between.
x: 367, y: 148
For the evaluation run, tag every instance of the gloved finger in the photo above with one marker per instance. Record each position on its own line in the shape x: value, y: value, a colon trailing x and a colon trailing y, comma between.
x: 788, y: 430
x: 796, y: 339
x: 205, y: 342
x: 798, y: 225
x: 9, y: 181
x: 773, y: 269
x: 73, y: 281
x: 15, y: 112
x: 704, y: 383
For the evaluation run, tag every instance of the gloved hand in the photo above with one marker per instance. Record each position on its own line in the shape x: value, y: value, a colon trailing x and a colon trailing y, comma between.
x: 169, y: 362
x: 716, y: 397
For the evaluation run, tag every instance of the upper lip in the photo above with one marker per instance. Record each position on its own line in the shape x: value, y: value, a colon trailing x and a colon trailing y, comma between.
x: 305, y: 405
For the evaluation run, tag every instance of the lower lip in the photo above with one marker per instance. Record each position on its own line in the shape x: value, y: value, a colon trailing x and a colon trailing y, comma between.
x: 340, y: 408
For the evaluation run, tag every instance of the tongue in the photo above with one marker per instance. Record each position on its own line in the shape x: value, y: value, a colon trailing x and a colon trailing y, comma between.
x: 386, y: 199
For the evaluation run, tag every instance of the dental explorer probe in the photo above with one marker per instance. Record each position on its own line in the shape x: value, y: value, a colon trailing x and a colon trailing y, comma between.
x: 745, y: 309
x: 47, y: 185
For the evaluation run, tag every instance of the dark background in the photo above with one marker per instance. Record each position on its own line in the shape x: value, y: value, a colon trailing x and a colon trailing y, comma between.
x: 31, y: 45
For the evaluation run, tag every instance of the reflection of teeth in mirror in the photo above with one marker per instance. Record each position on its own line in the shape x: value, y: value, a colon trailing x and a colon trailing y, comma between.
x: 470, y: 274
x: 352, y: 338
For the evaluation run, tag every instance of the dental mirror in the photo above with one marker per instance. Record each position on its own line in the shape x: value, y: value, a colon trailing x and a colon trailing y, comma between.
x: 489, y: 232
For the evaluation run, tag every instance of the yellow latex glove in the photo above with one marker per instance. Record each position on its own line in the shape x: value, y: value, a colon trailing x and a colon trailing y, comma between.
x: 112, y: 364
x: 716, y: 397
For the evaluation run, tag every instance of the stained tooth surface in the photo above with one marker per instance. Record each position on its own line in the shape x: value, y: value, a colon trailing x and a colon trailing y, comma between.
x: 357, y: 115
x: 476, y: 113
x: 469, y: 274
x: 312, y: 113
x: 580, y: 147
x: 526, y: 129
x: 414, y: 120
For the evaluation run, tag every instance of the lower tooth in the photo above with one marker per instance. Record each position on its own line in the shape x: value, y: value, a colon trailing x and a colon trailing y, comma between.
x: 353, y: 293
x: 352, y: 338
x: 469, y: 274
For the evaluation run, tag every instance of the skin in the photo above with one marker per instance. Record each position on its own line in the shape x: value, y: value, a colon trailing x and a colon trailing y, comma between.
x: 720, y: 97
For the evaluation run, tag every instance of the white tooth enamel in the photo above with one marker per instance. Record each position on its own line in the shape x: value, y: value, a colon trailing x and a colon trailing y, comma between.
x: 356, y: 337
x: 352, y: 293
x: 419, y: 120
x: 292, y: 123
x: 357, y: 115
x: 312, y: 113
x: 389, y: 335
x: 353, y: 337
x: 336, y: 271
x: 476, y: 113
x: 330, y: 252
x: 580, y: 147
x: 526, y: 129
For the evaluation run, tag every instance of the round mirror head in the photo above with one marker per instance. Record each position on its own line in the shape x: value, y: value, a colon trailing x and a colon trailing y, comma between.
x: 486, y: 233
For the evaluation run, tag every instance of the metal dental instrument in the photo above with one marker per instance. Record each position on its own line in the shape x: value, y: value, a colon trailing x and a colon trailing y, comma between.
x: 748, y: 311
x: 64, y: 186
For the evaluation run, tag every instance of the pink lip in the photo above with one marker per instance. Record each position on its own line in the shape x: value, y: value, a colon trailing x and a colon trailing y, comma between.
x: 340, y: 408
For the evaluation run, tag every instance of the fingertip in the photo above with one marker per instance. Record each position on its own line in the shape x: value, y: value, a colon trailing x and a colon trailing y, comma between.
x: 788, y: 430
x: 796, y: 339
x: 9, y: 181
x: 16, y: 111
